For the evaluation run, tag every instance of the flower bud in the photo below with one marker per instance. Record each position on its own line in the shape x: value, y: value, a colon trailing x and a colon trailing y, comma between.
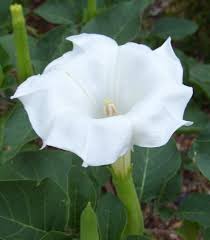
x: 88, y: 224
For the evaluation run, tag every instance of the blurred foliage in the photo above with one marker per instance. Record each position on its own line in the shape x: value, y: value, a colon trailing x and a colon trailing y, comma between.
x: 198, y: 11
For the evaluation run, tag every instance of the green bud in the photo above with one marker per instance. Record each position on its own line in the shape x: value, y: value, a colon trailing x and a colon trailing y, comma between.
x: 24, y: 66
x: 88, y: 224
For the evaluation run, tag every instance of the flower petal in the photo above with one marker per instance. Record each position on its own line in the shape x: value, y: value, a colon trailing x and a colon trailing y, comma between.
x: 44, y: 96
x: 91, y: 63
x: 172, y: 64
x: 97, y: 141
x: 143, y: 72
x: 151, y: 92
x: 156, y: 118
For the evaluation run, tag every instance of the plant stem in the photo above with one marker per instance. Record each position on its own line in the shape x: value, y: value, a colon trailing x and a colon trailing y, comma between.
x: 24, y: 66
x: 127, y: 194
x: 91, y: 9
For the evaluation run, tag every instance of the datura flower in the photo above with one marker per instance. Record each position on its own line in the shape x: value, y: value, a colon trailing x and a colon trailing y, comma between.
x: 100, y: 99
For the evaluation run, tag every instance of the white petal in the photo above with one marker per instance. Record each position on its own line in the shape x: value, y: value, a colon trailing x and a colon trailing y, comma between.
x: 151, y: 92
x: 157, y: 117
x: 142, y: 72
x: 172, y: 64
x: 44, y: 96
x: 96, y: 141
x: 91, y: 63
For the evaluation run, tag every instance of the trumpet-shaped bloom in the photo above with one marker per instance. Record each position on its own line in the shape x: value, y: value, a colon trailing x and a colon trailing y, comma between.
x: 65, y: 104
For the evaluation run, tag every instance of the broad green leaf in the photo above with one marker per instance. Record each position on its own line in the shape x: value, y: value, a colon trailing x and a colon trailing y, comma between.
x: 38, y: 165
x: 54, y: 235
x: 139, y: 238
x: 195, y: 208
x: 9, y: 83
x: 4, y: 13
x: 171, y: 189
x: 51, y: 46
x: 65, y: 169
x: 189, y: 231
x: 80, y: 191
x: 176, y: 28
x: 199, y: 118
x: 4, y: 57
x: 54, y: 164
x: 29, y: 211
x: 15, y: 132
x: 7, y: 44
x: 121, y: 22
x: 200, y: 152
x: 206, y: 234
x: 153, y: 168
x: 61, y: 167
x: 61, y: 13
x: 111, y: 217
x: 200, y: 78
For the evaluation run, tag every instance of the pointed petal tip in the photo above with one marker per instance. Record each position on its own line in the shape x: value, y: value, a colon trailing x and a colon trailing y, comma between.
x: 84, y: 164
x: 43, y: 146
x: 188, y: 123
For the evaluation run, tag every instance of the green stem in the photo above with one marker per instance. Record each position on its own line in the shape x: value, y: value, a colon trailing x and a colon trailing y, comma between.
x: 91, y: 9
x: 24, y: 66
x: 126, y: 192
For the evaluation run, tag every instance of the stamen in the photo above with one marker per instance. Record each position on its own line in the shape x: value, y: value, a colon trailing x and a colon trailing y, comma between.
x: 110, y: 109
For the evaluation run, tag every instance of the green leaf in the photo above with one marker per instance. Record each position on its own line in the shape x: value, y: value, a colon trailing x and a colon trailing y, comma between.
x: 200, y: 153
x: 195, y: 208
x: 199, y: 118
x: 4, y: 57
x: 153, y: 168
x: 7, y: 44
x: 4, y: 12
x: 176, y: 28
x: 171, y: 190
x: 200, y: 78
x: 80, y: 191
x: 53, y: 164
x: 29, y: 211
x: 111, y: 217
x: 57, y: 236
x: 65, y: 169
x: 65, y: 13
x: 188, y: 231
x: 206, y: 234
x: 16, y: 132
x: 61, y: 167
x: 121, y: 22
x: 38, y: 165
x: 139, y: 238
x: 51, y: 46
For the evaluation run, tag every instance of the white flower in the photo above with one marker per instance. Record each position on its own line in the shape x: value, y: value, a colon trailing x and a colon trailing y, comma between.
x: 65, y: 104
